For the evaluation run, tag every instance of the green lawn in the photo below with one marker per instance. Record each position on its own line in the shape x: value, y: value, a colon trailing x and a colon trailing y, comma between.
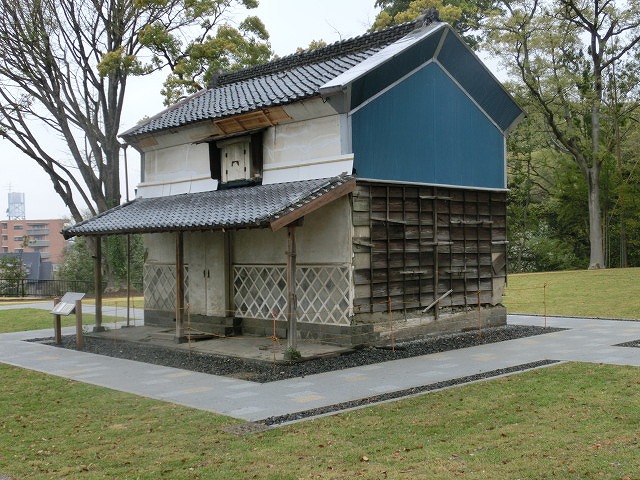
x: 566, y: 421
x: 611, y: 293
x: 22, y: 319
x: 118, y: 302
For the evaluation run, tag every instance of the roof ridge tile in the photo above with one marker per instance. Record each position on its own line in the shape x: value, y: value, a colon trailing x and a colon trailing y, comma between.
x: 343, y: 47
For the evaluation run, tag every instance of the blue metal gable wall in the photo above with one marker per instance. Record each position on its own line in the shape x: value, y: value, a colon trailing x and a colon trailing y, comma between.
x: 425, y: 129
x: 458, y: 60
x: 369, y: 85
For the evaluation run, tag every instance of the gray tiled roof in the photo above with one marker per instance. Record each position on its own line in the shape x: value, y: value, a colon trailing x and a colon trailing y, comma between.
x: 279, y: 82
x: 246, y: 207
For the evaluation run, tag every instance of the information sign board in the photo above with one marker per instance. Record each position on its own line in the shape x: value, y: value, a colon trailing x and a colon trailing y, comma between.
x: 67, y: 303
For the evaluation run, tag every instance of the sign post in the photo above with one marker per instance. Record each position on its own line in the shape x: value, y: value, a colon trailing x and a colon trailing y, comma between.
x: 69, y: 303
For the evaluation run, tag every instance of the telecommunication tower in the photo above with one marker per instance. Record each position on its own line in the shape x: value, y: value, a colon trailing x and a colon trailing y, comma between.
x: 16, y: 206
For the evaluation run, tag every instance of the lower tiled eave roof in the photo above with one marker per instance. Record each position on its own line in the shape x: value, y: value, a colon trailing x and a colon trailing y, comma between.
x: 263, y: 206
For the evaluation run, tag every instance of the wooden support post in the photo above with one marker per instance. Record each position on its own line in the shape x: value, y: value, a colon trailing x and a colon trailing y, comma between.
x: 79, y: 336
x: 98, y: 285
x: 228, y: 270
x: 292, y: 301
x: 57, y: 325
x: 179, y: 286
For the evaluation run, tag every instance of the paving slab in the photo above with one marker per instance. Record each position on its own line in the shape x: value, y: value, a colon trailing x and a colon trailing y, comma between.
x: 584, y: 340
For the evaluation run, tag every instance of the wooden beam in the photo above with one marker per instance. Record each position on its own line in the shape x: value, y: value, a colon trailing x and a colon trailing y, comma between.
x: 389, y: 220
x: 292, y: 300
x: 314, y: 205
x: 57, y: 325
x: 247, y: 122
x: 97, y: 270
x: 437, y: 300
x: 179, y: 286
x: 79, y: 337
x: 228, y: 269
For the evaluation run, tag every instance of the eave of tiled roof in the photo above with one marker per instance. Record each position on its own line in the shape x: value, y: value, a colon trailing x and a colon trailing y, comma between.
x: 262, y: 206
x: 286, y: 80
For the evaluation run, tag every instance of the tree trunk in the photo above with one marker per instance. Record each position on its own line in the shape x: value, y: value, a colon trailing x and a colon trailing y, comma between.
x: 596, y: 256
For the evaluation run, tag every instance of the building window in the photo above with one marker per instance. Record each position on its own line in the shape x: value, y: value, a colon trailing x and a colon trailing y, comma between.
x: 18, y: 239
x: 237, y: 161
x: 18, y: 227
x: 5, y: 238
x: 5, y: 226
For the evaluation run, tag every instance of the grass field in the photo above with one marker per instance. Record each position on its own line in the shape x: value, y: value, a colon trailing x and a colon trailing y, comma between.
x: 22, y: 319
x: 611, y: 293
x: 566, y: 421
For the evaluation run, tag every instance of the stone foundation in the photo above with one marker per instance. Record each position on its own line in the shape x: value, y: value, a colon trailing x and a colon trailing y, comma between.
x: 417, y: 326
x: 366, y: 329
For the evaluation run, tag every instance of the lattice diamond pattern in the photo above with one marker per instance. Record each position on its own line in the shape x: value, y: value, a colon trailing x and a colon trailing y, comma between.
x: 323, y: 295
x: 260, y: 291
x: 160, y: 287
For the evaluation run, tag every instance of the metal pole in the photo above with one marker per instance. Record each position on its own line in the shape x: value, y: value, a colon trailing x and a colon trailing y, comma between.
x: 179, y: 286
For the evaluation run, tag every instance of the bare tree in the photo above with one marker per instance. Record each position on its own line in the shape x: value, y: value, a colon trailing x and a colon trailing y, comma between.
x: 64, y: 66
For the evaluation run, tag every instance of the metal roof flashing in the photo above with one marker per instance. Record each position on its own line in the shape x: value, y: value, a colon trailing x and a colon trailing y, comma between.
x: 341, y: 82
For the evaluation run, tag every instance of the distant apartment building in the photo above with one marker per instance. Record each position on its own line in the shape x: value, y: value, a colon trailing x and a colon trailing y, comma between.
x: 42, y: 236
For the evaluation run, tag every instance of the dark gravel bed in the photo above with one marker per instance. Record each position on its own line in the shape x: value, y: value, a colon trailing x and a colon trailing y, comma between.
x: 262, y: 372
x: 384, y: 397
x: 632, y: 343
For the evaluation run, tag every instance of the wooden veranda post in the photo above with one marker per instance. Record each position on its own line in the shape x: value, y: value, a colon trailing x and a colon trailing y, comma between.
x: 98, y: 285
x: 179, y: 286
x: 292, y: 300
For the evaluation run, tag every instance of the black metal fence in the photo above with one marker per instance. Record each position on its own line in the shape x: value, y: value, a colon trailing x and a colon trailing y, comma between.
x: 42, y: 288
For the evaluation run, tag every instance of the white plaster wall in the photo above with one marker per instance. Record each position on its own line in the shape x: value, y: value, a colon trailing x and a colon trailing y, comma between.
x: 326, y: 234
x: 306, y: 149
x: 204, y: 254
x: 182, y: 162
x: 324, y: 238
x: 297, y: 150
x: 160, y: 248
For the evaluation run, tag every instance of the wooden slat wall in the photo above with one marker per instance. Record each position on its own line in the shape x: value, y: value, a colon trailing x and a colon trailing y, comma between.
x: 414, y: 243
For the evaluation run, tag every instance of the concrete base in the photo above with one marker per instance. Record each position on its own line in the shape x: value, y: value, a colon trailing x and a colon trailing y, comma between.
x: 219, y: 326
x: 366, y: 329
x: 341, y: 335
x: 417, y: 326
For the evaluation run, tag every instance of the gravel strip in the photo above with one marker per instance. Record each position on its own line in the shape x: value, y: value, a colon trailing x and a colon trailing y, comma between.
x: 383, y: 397
x: 262, y: 372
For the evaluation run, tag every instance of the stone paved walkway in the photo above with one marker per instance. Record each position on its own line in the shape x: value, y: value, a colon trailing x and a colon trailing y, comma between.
x: 584, y: 340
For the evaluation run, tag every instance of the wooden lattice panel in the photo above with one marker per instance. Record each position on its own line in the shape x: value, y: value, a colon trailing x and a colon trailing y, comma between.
x: 159, y: 283
x: 323, y: 291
